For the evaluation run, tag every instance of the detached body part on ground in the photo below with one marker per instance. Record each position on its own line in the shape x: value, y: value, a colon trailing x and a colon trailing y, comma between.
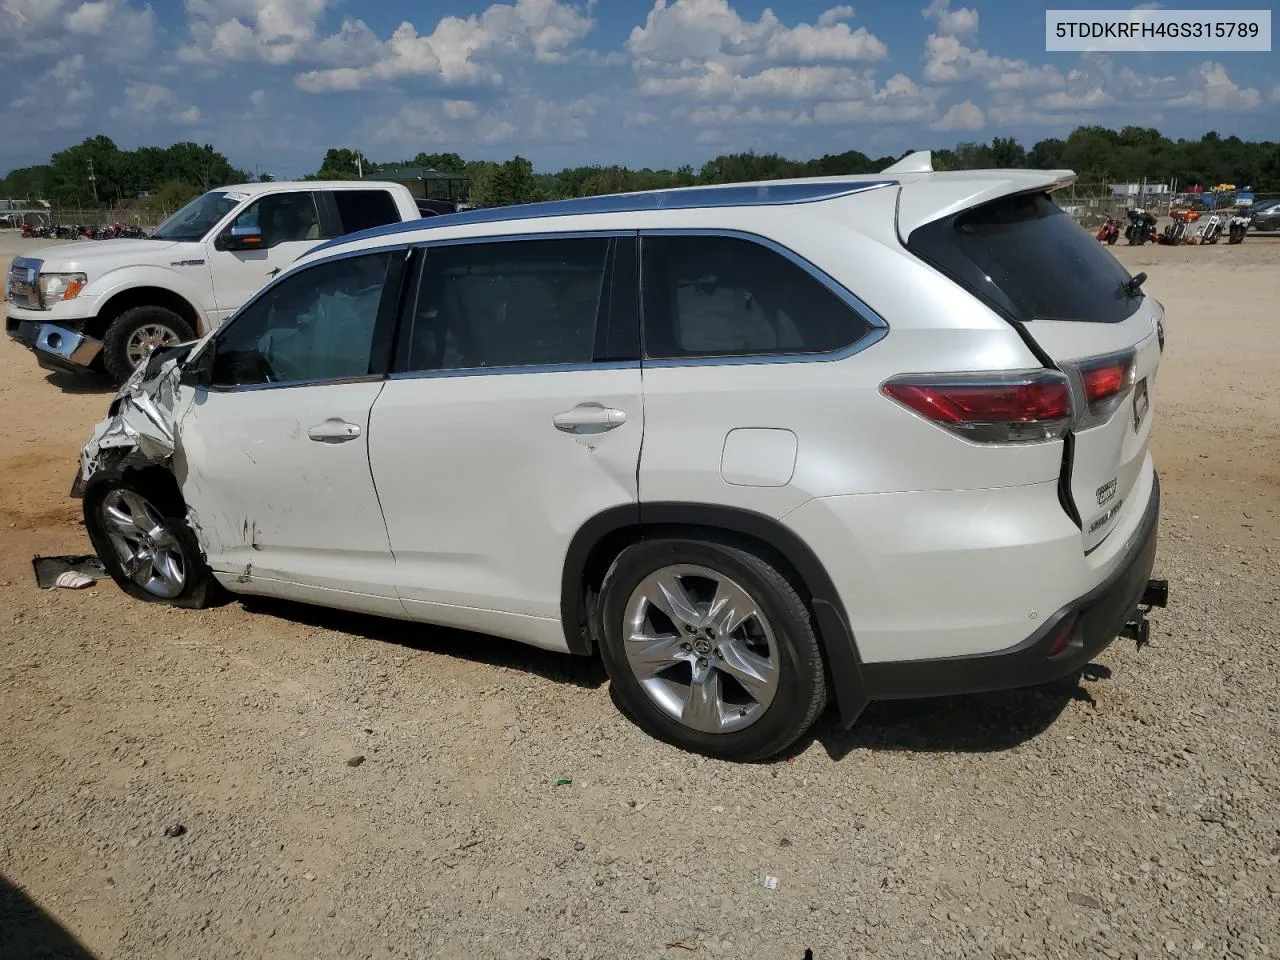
x: 867, y: 471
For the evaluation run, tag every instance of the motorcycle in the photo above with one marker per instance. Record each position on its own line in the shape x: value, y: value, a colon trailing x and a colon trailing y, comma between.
x: 1142, y: 227
x: 1109, y: 232
x: 1237, y: 228
x: 1211, y: 230
x: 1175, y: 232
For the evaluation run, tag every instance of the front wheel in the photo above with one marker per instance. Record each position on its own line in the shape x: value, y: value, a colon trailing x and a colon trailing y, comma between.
x: 134, y: 334
x: 709, y: 647
x: 146, y: 544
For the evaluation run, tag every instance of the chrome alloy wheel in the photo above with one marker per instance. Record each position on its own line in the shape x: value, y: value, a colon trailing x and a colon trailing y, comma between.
x: 701, y: 648
x: 151, y: 554
x: 148, y: 337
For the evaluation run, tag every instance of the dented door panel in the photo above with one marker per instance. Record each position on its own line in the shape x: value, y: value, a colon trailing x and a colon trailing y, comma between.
x: 274, y: 496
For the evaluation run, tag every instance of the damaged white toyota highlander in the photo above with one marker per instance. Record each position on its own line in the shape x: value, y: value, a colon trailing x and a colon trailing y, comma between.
x: 756, y: 446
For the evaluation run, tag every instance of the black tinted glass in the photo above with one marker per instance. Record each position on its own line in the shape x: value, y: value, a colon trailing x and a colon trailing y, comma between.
x: 725, y: 296
x: 362, y: 209
x: 517, y: 303
x: 317, y: 324
x: 1025, y: 256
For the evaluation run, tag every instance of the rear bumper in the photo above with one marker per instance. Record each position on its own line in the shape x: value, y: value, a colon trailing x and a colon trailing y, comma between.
x: 1099, y: 616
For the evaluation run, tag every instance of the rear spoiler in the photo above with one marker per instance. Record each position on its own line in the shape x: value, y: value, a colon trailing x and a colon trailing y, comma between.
x: 934, y: 196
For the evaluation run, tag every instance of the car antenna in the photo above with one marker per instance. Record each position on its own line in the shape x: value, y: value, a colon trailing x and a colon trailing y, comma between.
x: 1134, y: 284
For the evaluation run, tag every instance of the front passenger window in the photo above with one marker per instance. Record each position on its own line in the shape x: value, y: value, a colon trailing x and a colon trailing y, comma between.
x: 318, y: 324
x: 283, y: 218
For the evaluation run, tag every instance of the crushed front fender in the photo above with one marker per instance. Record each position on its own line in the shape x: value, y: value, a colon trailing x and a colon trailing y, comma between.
x: 140, y: 428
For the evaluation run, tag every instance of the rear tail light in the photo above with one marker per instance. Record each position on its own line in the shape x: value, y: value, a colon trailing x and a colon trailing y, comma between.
x: 1104, y: 383
x: 990, y: 407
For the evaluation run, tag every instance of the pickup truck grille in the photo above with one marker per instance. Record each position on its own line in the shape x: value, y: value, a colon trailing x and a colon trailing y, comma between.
x: 20, y: 285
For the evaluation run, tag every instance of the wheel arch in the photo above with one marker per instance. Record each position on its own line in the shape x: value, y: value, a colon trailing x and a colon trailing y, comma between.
x: 142, y: 296
x: 599, y: 541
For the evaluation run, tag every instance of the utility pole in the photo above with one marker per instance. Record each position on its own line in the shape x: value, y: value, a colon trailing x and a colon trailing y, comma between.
x: 359, y: 166
x: 93, y: 181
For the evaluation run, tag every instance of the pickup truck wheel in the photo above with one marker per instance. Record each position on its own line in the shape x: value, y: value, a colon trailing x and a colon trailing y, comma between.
x: 135, y: 333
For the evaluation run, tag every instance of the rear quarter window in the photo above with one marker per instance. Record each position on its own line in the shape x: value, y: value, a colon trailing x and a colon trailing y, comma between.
x: 363, y: 209
x: 1023, y: 256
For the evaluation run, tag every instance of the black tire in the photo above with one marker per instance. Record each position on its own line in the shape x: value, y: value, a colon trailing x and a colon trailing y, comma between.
x: 1111, y: 239
x: 115, y: 344
x: 200, y: 589
x: 800, y: 693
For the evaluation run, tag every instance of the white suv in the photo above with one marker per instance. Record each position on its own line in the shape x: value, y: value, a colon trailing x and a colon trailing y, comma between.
x: 876, y: 437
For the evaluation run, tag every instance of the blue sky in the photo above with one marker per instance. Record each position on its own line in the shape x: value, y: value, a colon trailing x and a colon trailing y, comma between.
x: 273, y: 83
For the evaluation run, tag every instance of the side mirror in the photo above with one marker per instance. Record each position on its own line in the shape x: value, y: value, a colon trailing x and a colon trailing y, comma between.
x: 198, y: 371
x: 241, y: 238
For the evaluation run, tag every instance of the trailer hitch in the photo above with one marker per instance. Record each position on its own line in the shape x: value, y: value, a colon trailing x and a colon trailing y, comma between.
x: 1137, y: 628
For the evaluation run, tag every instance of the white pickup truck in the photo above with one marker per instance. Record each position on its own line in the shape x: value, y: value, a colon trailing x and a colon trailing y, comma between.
x: 109, y: 303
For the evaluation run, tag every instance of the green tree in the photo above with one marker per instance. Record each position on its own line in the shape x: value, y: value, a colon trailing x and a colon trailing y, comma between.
x: 500, y: 185
x: 1047, y: 154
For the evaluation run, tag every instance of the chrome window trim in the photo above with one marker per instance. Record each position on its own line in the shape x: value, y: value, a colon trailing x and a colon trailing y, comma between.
x: 879, y: 326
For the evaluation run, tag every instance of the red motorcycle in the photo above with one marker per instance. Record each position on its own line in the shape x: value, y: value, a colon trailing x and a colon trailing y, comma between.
x: 1175, y: 233
x: 1109, y: 232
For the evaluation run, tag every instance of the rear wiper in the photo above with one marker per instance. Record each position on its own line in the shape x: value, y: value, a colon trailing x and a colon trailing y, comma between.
x: 1133, y: 286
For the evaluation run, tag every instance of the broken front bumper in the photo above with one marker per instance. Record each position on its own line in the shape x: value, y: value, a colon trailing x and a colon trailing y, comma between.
x: 58, y: 348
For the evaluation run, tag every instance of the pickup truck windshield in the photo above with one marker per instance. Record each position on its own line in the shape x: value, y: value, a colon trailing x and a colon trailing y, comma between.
x: 198, y: 217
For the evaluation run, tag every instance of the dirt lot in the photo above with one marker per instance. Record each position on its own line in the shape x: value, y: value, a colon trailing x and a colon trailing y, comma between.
x: 1135, y: 815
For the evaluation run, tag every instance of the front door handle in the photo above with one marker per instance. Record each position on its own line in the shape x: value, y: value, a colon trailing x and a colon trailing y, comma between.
x: 334, y: 430
x: 589, y: 418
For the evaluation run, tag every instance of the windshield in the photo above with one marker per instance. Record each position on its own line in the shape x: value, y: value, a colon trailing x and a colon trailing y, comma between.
x: 1025, y: 256
x: 198, y: 217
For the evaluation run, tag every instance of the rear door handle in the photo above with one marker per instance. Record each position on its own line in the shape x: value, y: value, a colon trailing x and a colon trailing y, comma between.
x: 334, y: 430
x: 589, y: 418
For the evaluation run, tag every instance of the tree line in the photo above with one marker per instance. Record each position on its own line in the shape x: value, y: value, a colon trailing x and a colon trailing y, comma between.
x: 1099, y: 155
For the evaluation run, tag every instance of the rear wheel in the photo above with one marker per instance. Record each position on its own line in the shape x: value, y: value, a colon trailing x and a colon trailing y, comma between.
x: 146, y: 544
x: 709, y: 647
x: 134, y: 334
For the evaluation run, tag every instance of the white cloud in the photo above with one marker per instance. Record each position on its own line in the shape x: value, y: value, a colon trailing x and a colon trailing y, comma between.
x: 187, y: 116
x: 690, y: 32
x: 962, y: 116
x: 730, y: 115
x: 1060, y: 100
x: 63, y: 84
x: 460, y: 109
x: 788, y: 83
x: 412, y: 123
x: 90, y: 18
x: 258, y: 98
x: 950, y: 22
x: 274, y: 31
x: 456, y: 51
x: 50, y: 28
x: 900, y: 100
x: 947, y: 60
x: 1213, y: 89
x: 142, y: 99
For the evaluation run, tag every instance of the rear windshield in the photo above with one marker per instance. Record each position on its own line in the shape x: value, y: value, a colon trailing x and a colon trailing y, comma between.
x: 1025, y: 257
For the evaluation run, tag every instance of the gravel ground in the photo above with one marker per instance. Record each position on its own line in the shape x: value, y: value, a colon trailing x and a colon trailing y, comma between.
x: 353, y: 788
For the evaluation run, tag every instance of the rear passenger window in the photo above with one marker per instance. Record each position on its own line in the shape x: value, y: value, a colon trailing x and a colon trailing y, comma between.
x: 508, y: 304
x: 362, y: 209
x: 709, y: 296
